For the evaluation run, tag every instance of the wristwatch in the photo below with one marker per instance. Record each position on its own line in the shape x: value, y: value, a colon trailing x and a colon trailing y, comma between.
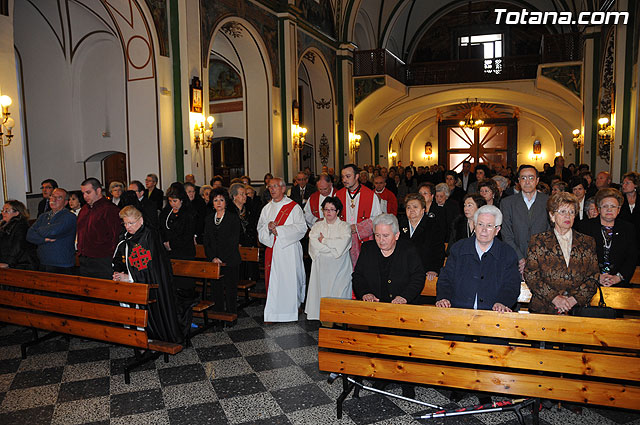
x: 620, y: 276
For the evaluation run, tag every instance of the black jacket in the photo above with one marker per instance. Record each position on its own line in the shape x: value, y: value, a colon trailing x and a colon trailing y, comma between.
x: 221, y: 241
x: 428, y: 239
x: 43, y: 206
x: 179, y: 229
x: 14, y: 248
x: 157, y: 197
x: 406, y: 275
x: 623, y: 255
x: 633, y: 218
x: 295, y: 194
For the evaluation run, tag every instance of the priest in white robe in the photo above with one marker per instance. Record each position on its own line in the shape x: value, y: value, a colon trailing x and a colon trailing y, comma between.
x: 329, y: 244
x: 280, y: 228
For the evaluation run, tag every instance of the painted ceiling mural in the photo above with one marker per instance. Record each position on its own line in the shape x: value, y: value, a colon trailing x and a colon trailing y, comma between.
x: 224, y: 81
x: 158, y: 10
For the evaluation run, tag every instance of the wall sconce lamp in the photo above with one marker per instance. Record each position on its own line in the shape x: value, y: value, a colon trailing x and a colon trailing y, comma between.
x: 6, y: 126
x: 578, y: 139
x: 298, y: 133
x: 428, y: 151
x: 354, y: 139
x: 203, y: 135
x: 606, y: 131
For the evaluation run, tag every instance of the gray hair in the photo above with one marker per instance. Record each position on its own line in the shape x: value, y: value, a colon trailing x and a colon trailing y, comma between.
x: 442, y: 187
x: 282, y: 182
x: 502, y: 182
x: 233, y: 189
x: 115, y: 184
x: 205, y: 187
x: 389, y: 220
x: 154, y: 177
x: 589, y: 202
x: 489, y: 209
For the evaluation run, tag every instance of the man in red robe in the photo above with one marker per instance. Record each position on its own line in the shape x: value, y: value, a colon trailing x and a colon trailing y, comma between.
x: 388, y: 201
x: 313, y: 207
x: 361, y: 206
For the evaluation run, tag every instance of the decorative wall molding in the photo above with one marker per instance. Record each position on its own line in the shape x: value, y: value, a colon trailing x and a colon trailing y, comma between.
x: 323, y: 103
x: 232, y: 29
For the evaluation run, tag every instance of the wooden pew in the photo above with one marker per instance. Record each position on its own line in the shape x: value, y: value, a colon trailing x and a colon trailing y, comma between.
x: 423, y: 352
x: 249, y: 255
x: 83, y: 307
x: 618, y: 298
x: 204, y: 270
x: 635, y: 279
x: 200, y: 254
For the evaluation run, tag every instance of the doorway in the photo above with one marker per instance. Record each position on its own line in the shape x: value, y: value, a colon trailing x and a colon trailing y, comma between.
x: 227, y: 157
x: 114, y: 168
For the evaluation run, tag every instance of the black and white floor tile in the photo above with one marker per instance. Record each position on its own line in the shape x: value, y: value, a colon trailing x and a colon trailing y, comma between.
x: 249, y: 374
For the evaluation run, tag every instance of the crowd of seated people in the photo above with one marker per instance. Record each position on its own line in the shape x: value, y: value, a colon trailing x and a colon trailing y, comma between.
x: 563, y: 232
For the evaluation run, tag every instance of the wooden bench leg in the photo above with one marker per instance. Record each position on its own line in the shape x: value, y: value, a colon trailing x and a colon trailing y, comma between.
x: 535, y: 411
x: 36, y: 340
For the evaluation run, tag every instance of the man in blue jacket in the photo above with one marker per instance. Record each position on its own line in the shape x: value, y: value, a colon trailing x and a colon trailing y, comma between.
x: 55, y: 234
x: 481, y: 271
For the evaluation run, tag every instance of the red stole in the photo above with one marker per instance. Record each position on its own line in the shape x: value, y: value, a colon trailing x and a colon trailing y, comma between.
x: 364, y: 205
x: 314, y: 201
x: 281, y: 218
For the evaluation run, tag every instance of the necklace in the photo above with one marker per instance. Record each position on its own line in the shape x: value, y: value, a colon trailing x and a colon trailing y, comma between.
x: 217, y: 220
x: 353, y: 197
x: 606, y: 239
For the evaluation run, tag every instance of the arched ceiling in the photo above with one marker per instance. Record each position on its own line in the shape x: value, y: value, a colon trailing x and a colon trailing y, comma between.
x: 399, y: 25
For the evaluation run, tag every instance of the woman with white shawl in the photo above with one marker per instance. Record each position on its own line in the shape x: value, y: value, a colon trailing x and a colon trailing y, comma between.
x: 329, y: 244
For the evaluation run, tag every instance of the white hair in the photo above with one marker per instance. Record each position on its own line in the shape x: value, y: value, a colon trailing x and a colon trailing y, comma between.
x: 443, y: 187
x: 502, y: 182
x: 388, y: 219
x: 489, y: 209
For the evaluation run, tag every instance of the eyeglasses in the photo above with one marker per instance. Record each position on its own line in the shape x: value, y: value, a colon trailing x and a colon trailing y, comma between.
x: 487, y: 226
x: 524, y: 178
x: 46, y: 187
x: 57, y: 197
x: 128, y: 224
x: 609, y: 207
x: 326, y: 210
x: 569, y: 213
x: 8, y: 211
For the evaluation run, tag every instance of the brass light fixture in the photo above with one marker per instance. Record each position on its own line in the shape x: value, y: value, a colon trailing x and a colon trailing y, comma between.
x: 6, y: 127
x: 203, y: 136
x: 475, y: 117
x: 428, y: 151
x: 578, y: 139
x: 605, y: 136
x: 297, y: 132
x: 354, y: 139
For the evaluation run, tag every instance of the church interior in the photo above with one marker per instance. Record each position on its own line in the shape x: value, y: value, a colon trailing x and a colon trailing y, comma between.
x: 125, y: 88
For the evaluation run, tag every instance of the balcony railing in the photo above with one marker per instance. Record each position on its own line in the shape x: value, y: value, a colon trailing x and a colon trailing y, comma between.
x: 554, y: 48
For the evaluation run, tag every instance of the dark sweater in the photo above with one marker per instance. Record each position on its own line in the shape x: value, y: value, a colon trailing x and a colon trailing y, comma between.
x: 61, y: 227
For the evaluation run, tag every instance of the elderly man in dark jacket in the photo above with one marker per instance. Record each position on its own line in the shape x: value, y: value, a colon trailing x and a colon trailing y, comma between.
x: 481, y: 272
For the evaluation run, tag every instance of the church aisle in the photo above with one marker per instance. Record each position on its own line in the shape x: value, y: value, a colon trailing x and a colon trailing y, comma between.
x: 252, y: 373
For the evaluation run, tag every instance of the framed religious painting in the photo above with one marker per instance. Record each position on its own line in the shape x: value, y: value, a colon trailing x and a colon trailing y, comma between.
x: 196, y: 95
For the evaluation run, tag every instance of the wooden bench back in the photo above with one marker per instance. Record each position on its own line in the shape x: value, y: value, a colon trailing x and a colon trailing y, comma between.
x: 250, y: 254
x: 430, y: 356
x: 200, y: 254
x: 618, y: 298
x: 196, y: 269
x: 89, y: 307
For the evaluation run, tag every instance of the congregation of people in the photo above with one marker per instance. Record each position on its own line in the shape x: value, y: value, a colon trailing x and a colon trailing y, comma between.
x: 373, y: 234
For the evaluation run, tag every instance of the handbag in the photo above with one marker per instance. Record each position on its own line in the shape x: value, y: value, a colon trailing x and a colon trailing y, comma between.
x: 600, y: 311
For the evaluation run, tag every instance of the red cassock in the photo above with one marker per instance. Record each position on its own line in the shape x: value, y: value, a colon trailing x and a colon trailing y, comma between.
x: 364, y: 225
x: 392, y: 202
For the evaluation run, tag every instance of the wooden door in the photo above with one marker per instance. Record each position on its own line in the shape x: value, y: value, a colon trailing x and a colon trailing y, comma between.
x: 485, y: 145
x: 114, y: 168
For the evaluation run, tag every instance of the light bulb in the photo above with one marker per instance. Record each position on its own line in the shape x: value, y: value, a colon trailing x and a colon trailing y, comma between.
x: 210, y: 120
x: 5, y: 101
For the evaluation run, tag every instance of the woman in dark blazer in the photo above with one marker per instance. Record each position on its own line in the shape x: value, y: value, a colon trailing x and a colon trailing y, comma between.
x: 222, y: 231
x: 178, y: 224
x: 424, y: 233
x: 562, y: 265
x: 15, y: 251
x: 615, y: 240
x: 463, y: 226
x: 630, y: 183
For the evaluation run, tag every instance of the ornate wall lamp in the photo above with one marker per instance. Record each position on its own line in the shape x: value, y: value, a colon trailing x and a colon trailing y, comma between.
x: 298, y: 133
x: 354, y: 139
x: 203, y: 136
x: 536, y: 153
x: 578, y: 139
x: 605, y: 136
x: 6, y: 126
x: 393, y: 155
x: 428, y: 151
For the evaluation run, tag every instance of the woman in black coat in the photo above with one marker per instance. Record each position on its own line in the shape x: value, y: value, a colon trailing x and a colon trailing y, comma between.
x: 15, y: 251
x: 178, y: 225
x: 425, y: 234
x: 615, y: 240
x: 222, y: 231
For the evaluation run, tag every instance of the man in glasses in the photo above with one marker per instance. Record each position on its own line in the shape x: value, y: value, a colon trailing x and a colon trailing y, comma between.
x: 47, y: 187
x: 55, y: 234
x: 481, y: 271
x: 524, y: 214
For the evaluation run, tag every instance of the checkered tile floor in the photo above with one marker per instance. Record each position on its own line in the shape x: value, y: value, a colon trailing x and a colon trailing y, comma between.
x: 252, y: 373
